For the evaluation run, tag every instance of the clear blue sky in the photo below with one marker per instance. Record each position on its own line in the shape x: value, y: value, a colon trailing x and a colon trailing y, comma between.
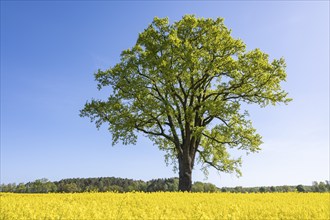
x: 50, y: 50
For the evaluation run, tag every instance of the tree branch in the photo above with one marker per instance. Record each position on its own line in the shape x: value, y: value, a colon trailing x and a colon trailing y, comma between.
x: 220, y: 142
x: 208, y: 162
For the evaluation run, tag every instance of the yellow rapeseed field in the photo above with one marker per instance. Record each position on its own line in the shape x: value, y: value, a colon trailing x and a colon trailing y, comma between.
x: 165, y: 205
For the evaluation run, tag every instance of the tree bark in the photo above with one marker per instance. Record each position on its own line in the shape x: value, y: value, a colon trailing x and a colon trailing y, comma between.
x: 185, y: 171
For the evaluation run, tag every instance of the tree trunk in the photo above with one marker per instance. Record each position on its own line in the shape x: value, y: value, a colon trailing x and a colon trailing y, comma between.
x: 185, y: 170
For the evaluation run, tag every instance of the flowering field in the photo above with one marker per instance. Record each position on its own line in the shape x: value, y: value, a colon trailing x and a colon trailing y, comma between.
x: 166, y: 205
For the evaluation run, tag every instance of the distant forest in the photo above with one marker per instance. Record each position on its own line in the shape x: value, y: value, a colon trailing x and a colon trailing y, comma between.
x: 113, y: 184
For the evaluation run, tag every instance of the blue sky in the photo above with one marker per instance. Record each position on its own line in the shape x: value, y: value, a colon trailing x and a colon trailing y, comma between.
x: 50, y: 50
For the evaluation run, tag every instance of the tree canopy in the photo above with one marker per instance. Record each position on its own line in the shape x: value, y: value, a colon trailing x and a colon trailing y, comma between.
x: 183, y: 85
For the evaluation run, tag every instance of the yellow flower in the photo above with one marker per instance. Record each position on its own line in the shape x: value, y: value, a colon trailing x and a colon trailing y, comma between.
x: 168, y: 205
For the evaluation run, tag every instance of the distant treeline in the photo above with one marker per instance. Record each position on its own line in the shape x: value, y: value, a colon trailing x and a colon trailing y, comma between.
x: 112, y: 184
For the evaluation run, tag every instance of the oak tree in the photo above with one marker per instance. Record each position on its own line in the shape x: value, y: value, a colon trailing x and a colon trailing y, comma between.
x: 183, y: 85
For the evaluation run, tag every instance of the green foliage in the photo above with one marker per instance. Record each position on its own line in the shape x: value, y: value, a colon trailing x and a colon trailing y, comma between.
x: 182, y: 85
x: 10, y: 187
x: 197, y: 187
x: 20, y: 188
x: 40, y: 186
x: 320, y: 186
x: 301, y: 188
x: 209, y: 187
x: 70, y: 188
x: 112, y: 184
